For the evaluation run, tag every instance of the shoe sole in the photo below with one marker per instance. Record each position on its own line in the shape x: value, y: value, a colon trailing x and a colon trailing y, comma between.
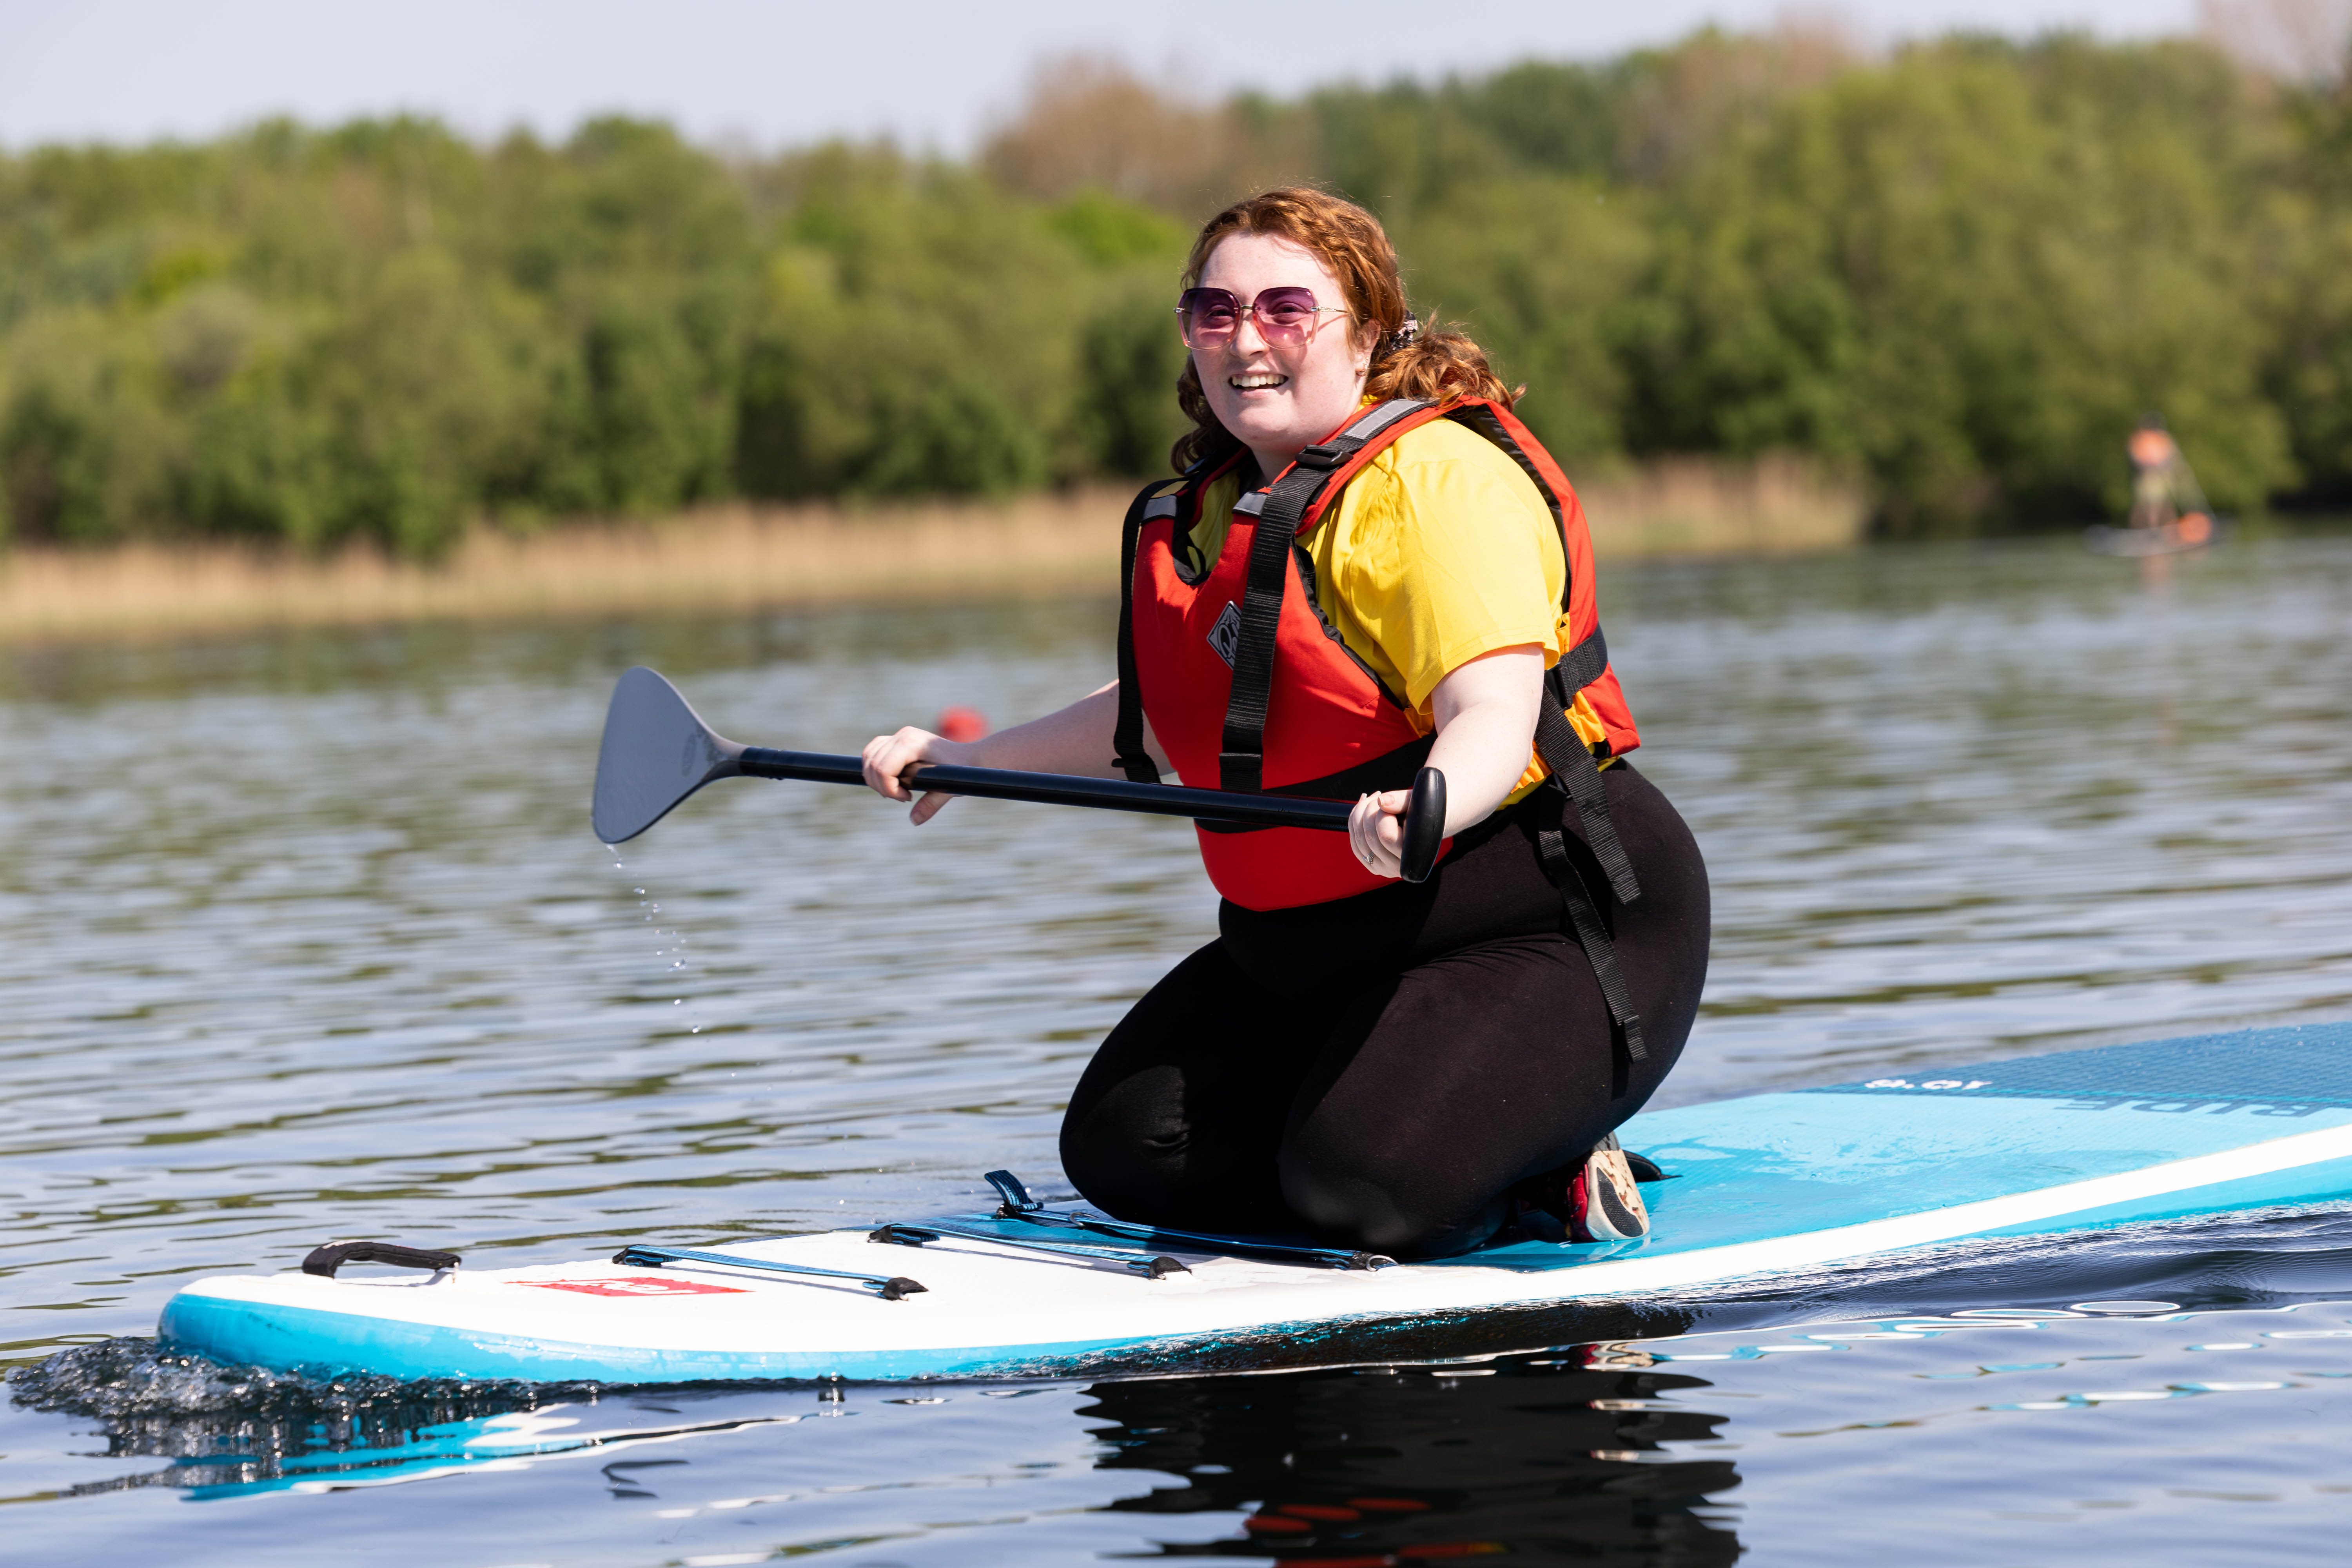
x: 1613, y: 1210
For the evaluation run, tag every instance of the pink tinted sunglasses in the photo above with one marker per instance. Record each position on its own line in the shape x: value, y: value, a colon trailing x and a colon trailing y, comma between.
x: 1285, y: 315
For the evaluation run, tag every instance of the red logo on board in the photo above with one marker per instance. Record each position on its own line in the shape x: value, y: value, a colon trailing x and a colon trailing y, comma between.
x: 633, y: 1285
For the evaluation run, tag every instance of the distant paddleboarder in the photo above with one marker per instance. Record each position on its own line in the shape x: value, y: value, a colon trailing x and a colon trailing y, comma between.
x: 1367, y: 565
x: 2165, y: 493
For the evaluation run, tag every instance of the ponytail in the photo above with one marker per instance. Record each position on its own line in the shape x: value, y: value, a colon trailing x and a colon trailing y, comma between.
x: 1435, y: 367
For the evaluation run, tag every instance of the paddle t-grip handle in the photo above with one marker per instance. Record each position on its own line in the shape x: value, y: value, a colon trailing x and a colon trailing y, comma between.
x: 1424, y: 825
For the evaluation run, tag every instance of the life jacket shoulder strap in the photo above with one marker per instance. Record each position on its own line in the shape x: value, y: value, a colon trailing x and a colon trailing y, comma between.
x: 1126, y: 733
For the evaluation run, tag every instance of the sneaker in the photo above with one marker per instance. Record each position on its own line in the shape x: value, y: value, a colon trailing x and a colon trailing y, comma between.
x: 1558, y: 1205
x: 1604, y: 1203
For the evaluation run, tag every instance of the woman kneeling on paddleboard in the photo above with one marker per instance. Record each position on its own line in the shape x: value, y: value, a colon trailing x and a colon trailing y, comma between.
x: 1369, y: 566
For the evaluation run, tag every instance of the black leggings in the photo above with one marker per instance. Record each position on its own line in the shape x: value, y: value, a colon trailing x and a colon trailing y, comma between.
x: 1380, y: 1070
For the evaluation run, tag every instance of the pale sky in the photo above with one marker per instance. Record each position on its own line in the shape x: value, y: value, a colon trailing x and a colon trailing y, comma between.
x: 929, y: 72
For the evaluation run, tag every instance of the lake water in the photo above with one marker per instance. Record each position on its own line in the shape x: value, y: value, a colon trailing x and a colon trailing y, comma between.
x: 306, y: 935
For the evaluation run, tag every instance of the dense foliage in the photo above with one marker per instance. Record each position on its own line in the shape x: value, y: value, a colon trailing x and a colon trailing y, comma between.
x: 1959, y: 273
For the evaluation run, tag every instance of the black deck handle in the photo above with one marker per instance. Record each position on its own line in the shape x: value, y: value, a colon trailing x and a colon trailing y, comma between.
x: 324, y: 1260
x: 1018, y: 1201
x: 1424, y: 825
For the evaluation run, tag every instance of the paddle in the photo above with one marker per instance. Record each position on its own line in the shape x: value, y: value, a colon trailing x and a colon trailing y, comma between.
x: 656, y: 752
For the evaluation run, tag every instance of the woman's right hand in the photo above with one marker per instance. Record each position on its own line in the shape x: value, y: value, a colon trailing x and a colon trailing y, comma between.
x: 888, y: 757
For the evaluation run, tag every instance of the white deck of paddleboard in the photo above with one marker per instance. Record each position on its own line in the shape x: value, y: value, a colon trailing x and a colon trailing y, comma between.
x: 1764, y: 1185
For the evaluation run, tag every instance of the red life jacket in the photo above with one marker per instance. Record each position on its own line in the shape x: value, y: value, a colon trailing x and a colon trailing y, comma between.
x: 1246, y: 679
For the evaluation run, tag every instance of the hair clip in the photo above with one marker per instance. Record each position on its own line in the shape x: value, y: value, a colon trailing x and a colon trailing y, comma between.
x: 1404, y: 334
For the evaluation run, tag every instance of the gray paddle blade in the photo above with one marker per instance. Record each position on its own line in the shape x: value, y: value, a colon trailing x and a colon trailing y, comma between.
x: 655, y: 753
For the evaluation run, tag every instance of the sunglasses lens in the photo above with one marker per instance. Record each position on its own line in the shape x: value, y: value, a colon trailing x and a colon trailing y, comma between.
x: 1207, y: 314
x: 1286, y: 312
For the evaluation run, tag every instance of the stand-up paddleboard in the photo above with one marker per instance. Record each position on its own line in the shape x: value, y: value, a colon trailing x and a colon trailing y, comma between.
x: 2195, y: 532
x: 1758, y: 1186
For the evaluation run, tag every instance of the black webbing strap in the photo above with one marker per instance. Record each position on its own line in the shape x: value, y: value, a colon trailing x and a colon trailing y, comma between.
x: 1592, y: 935
x: 1563, y: 751
x: 1241, y: 758
x: 1572, y: 764
x: 1580, y: 667
x: 1127, y: 733
x: 1574, y: 770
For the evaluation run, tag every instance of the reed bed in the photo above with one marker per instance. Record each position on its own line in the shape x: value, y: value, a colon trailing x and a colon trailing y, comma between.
x: 736, y: 558
x: 713, y: 560
x: 1703, y: 506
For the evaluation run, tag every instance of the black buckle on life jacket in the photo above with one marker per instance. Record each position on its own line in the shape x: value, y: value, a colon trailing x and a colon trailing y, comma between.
x: 1327, y: 455
x: 1246, y: 768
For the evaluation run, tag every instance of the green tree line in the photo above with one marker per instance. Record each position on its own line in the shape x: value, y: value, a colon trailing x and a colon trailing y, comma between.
x: 1958, y: 273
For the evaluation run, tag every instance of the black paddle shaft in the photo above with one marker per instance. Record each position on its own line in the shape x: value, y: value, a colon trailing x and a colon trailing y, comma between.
x: 1060, y: 789
x: 656, y: 751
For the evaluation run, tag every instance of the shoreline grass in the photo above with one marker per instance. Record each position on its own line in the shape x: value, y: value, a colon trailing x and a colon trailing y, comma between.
x: 739, y: 558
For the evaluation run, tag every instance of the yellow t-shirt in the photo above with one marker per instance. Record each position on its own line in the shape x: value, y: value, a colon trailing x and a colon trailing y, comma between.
x: 1440, y: 550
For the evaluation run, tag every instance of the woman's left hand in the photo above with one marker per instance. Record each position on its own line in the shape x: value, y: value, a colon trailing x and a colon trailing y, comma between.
x: 1376, y: 831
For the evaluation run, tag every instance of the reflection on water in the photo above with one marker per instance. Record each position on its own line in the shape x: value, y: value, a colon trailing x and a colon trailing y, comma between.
x: 1536, y: 1457
x: 305, y: 937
